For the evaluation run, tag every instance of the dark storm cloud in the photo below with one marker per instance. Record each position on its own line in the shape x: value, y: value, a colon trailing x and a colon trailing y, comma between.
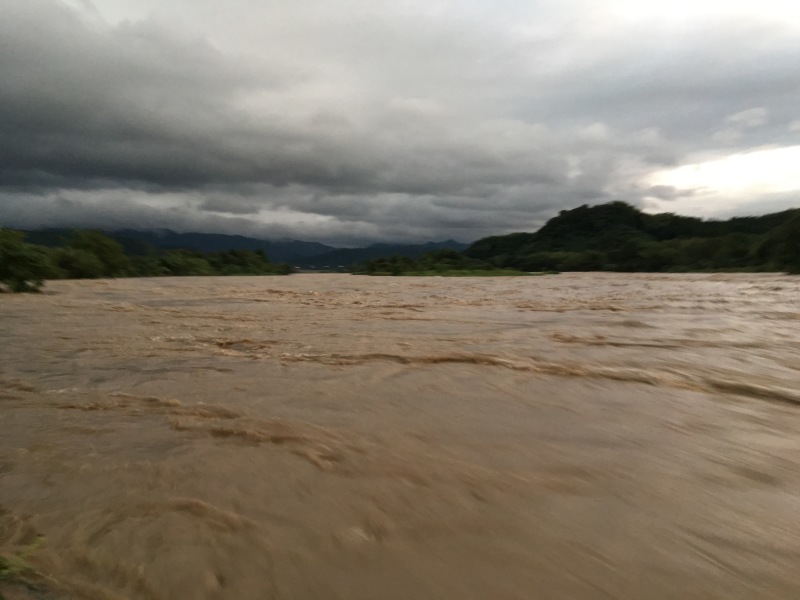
x: 364, y: 122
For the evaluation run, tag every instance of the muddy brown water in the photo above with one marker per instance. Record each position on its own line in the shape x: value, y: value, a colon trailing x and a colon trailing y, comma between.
x: 580, y: 436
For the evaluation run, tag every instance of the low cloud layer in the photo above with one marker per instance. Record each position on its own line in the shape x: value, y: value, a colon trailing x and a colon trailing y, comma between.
x: 353, y: 122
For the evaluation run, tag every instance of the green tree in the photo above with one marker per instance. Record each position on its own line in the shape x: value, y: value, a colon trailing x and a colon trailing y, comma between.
x: 108, y: 251
x: 23, y: 267
x: 785, y: 241
x: 240, y: 262
x: 79, y: 264
x: 148, y: 265
x: 628, y: 256
x: 185, y: 262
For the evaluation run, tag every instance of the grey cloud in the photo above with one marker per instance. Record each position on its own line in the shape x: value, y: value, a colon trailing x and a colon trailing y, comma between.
x: 684, y: 82
x: 231, y: 205
x: 361, y: 121
x: 668, y: 192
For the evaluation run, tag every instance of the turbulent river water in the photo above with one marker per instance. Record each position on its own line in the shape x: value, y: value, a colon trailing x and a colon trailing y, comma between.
x: 576, y: 437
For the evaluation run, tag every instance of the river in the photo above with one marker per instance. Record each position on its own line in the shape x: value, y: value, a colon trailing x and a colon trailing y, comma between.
x: 575, y: 437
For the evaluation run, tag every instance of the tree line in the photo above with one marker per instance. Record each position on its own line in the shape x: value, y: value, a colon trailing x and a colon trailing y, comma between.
x: 87, y: 254
x: 618, y: 237
x: 437, y: 262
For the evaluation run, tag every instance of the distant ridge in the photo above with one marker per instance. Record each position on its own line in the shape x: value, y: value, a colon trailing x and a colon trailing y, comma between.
x: 282, y: 252
x: 618, y: 237
x: 294, y: 252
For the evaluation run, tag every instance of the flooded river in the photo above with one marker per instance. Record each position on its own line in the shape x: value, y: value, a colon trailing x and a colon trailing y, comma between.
x: 575, y: 437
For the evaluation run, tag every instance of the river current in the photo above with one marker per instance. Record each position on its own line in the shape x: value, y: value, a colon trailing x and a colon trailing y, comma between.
x: 575, y: 437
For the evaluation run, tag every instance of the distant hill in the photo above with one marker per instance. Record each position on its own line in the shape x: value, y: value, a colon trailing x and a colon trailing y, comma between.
x: 281, y: 251
x: 294, y: 252
x: 141, y: 242
x: 618, y: 237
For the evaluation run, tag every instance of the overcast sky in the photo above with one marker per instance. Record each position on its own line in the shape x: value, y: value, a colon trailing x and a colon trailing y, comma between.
x: 354, y: 121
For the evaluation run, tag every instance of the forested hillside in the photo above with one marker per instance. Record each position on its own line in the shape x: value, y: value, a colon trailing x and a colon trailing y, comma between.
x: 618, y: 237
x: 91, y: 254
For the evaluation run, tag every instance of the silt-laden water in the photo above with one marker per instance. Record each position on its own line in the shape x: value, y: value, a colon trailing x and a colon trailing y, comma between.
x: 576, y: 437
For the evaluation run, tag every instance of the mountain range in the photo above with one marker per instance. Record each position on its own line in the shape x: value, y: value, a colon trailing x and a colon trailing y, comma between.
x: 306, y: 255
